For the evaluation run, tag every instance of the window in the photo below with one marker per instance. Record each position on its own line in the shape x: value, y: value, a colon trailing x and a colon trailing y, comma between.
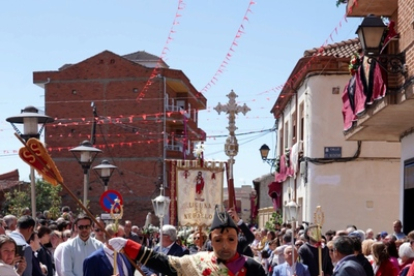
x: 302, y: 121
x: 281, y: 149
x: 294, y: 127
x: 286, y: 137
x: 181, y: 104
x: 409, y: 174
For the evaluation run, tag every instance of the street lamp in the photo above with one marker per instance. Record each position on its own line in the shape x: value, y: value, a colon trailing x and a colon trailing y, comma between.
x: 370, y: 34
x: 85, y: 153
x: 264, y: 152
x: 291, y: 209
x: 105, y: 171
x: 30, y: 118
x: 161, y: 204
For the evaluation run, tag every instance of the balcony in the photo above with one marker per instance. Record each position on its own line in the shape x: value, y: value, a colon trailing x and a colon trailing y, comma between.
x: 361, y: 8
x: 386, y: 120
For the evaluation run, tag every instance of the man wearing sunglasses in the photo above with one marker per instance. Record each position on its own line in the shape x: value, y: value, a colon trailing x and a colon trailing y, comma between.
x: 98, y: 232
x: 79, y: 248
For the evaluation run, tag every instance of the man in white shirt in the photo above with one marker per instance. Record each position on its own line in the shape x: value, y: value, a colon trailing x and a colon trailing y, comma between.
x: 57, y: 255
x: 398, y: 233
x: 25, y: 228
x: 77, y: 249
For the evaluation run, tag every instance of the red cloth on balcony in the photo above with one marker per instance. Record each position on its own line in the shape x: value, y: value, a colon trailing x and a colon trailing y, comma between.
x: 372, y: 81
x: 275, y: 192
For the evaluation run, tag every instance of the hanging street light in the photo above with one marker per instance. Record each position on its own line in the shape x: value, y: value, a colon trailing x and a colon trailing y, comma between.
x: 371, y: 35
x: 264, y: 152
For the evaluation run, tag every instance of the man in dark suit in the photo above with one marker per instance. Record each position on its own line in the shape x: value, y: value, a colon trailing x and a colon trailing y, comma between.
x: 168, y: 247
x: 343, y: 255
x: 101, y: 262
x: 129, y: 234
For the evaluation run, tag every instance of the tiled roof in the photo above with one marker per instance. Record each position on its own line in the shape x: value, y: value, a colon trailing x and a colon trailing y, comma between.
x: 141, y: 55
x: 7, y: 184
x: 343, y: 49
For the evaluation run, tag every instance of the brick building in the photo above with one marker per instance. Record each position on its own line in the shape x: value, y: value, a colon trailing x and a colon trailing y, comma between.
x: 8, y: 181
x: 136, y: 135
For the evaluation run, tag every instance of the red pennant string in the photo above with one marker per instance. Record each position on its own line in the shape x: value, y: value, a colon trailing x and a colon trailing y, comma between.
x: 228, y: 55
x: 163, y: 52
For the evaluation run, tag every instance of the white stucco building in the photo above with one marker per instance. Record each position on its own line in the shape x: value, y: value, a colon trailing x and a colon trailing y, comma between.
x: 353, y: 182
x: 391, y: 118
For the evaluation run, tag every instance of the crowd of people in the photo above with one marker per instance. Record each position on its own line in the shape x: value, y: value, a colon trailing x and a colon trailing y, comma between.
x: 82, y: 246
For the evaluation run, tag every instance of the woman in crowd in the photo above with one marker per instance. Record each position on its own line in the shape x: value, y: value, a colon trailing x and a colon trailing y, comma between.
x: 39, y: 269
x: 55, y: 240
x: 392, y: 250
x: 10, y: 263
x: 366, y: 250
x: 44, y: 255
x: 406, y: 257
x: 383, y: 265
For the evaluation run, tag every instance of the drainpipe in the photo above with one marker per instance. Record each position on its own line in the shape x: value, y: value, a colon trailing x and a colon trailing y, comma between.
x: 164, y: 148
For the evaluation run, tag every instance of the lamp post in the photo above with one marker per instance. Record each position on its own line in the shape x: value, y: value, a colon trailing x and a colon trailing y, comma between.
x: 30, y: 118
x: 370, y: 34
x: 161, y: 204
x: 105, y: 171
x: 291, y: 209
x: 85, y: 153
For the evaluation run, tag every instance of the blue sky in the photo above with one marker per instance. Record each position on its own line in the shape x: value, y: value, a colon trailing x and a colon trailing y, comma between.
x: 44, y: 35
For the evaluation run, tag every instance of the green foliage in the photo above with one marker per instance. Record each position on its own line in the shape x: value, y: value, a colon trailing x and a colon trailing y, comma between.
x: 339, y: 2
x: 276, y: 217
x: 47, y: 198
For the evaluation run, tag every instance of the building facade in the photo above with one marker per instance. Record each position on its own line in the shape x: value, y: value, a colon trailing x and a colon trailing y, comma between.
x: 135, y: 109
x: 391, y: 118
x: 317, y: 166
x: 243, y: 196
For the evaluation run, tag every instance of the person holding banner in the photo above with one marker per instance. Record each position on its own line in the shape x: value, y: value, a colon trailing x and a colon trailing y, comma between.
x: 309, y: 253
x: 224, y: 260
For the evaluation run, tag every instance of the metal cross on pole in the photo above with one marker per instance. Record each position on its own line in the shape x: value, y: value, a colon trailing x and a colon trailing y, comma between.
x: 231, y: 148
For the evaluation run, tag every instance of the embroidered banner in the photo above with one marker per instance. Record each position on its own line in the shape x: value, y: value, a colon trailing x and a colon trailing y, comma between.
x: 199, y: 189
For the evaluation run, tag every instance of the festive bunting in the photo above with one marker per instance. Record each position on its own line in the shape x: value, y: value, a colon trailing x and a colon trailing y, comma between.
x: 156, y: 69
x: 320, y: 50
x: 228, y: 56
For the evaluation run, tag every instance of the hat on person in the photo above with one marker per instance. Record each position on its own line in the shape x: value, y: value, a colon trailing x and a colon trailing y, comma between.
x: 222, y: 220
x: 358, y: 234
x: 383, y: 234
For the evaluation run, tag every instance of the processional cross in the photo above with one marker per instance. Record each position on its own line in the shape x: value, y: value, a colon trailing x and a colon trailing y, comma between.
x: 231, y: 148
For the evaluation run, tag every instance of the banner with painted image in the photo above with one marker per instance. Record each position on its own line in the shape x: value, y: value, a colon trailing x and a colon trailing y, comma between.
x: 199, y: 189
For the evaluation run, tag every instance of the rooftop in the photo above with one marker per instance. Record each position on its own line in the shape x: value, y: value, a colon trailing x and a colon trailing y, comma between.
x: 343, y: 49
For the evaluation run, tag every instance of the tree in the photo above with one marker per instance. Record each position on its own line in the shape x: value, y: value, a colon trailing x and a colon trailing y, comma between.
x: 47, y: 198
x: 276, y: 217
